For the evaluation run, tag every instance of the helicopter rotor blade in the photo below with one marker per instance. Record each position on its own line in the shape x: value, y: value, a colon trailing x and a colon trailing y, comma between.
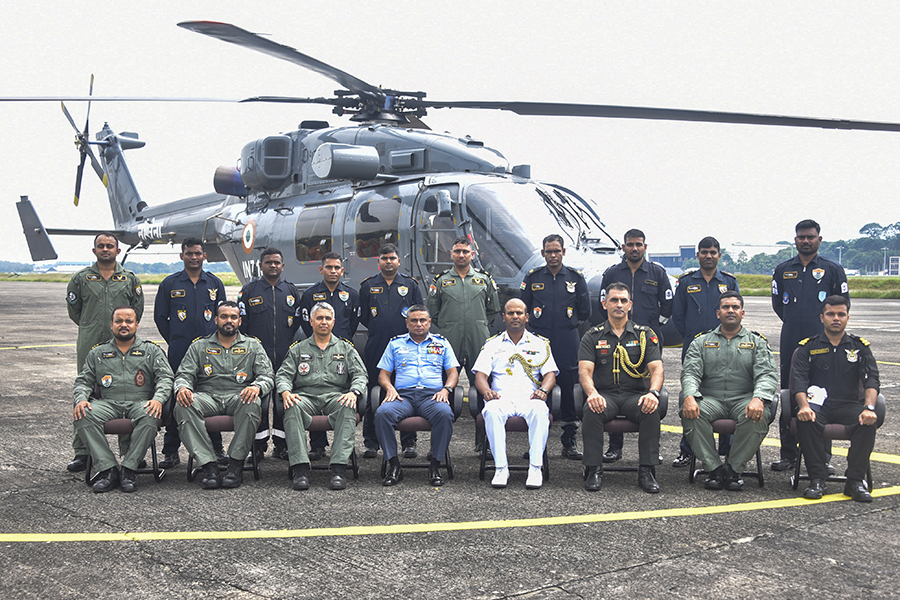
x: 69, y: 116
x: 664, y: 114
x: 79, y: 175
x: 235, y: 35
x: 87, y: 119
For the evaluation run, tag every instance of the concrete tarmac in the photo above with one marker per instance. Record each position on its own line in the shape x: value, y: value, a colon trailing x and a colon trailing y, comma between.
x: 463, y: 540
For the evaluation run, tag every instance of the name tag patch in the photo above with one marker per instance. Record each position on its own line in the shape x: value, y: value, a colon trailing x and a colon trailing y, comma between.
x: 255, y: 301
x: 214, y: 351
x: 789, y: 275
x: 819, y: 351
x: 710, y: 344
x: 746, y: 345
x: 239, y: 351
x: 693, y: 289
x: 177, y: 294
x: 536, y: 287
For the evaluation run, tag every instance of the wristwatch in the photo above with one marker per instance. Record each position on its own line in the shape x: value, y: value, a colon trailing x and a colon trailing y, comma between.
x: 655, y: 393
x: 448, y: 388
x: 870, y: 407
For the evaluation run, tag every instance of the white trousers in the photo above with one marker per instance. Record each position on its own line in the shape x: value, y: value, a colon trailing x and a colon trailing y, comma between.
x: 536, y: 414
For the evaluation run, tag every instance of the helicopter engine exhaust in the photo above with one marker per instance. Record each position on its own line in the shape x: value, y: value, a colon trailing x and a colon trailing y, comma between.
x: 345, y: 161
x: 227, y: 181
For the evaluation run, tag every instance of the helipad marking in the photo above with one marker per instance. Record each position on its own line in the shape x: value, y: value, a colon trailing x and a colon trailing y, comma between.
x: 426, y: 527
x: 41, y: 346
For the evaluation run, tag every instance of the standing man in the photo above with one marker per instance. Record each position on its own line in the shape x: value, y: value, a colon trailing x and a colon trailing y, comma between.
x: 268, y: 313
x: 695, y: 310
x: 462, y: 302
x: 835, y: 380
x: 384, y: 301
x: 515, y: 359
x: 224, y: 373
x: 614, y: 360
x: 91, y: 296
x: 420, y: 361
x: 321, y: 375
x: 729, y: 373
x: 651, y: 297
x: 557, y: 299
x: 799, y: 287
x: 135, y: 381
x: 185, y: 305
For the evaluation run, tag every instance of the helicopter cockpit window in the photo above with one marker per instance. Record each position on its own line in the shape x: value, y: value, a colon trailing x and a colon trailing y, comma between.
x: 437, y: 233
x: 313, y: 239
x: 377, y: 223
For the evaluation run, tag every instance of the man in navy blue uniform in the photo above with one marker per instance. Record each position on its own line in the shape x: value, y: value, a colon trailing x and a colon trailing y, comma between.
x: 694, y: 311
x: 419, y: 361
x: 557, y: 300
x: 384, y: 300
x: 184, y: 310
x: 799, y: 287
x: 268, y: 313
x: 651, y: 297
x: 345, y: 301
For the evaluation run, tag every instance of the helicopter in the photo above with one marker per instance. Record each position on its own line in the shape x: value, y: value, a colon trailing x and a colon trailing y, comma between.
x: 386, y: 178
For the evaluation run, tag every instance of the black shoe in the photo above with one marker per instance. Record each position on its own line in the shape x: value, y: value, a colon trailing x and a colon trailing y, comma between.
x: 142, y: 464
x: 573, y: 453
x: 316, y: 453
x: 280, y: 452
x: 393, y: 475
x: 234, y: 476
x: 301, y: 477
x: 733, y: 480
x: 109, y: 479
x: 856, y: 489
x: 410, y: 451
x: 127, y: 482
x: 338, y: 481
x: 785, y: 464
x: 170, y: 461
x: 716, y: 478
x: 612, y: 455
x: 370, y: 453
x: 221, y: 457
x: 211, y: 479
x: 478, y: 449
x: 683, y: 460
x: 647, y: 481
x: 814, y: 490
x: 593, y: 479
x: 526, y: 455
x: 830, y: 468
x: 79, y: 463
x: 434, y: 476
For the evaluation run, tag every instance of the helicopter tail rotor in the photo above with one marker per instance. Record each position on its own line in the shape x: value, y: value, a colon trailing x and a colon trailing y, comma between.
x: 83, y: 144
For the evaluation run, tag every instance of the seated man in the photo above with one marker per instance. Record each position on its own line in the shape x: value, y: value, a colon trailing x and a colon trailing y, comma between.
x: 515, y: 359
x: 135, y: 380
x: 223, y: 373
x: 419, y: 360
x: 614, y: 359
x: 834, y: 379
x: 321, y: 375
x: 728, y: 373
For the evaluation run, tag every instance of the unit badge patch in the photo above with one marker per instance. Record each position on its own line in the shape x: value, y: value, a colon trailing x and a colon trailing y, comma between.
x: 403, y: 291
x: 344, y: 296
x: 72, y: 297
x: 537, y: 312
x: 207, y: 314
x: 723, y: 288
x: 340, y: 368
x: 106, y: 381
x: 818, y: 274
x: 212, y: 294
x: 570, y: 286
x: 303, y: 368
x: 290, y: 321
x: 207, y: 370
x: 289, y: 300
x: 822, y: 295
x: 374, y: 311
x: 569, y: 312
x: 852, y: 355
x: 139, y: 378
x: 182, y: 314
x: 241, y: 377
x: 404, y: 311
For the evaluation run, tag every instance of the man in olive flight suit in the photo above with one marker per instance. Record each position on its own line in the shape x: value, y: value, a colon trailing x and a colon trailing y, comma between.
x: 91, y: 296
x: 223, y: 373
x: 135, y: 380
x: 462, y: 302
x: 321, y: 375
x: 728, y: 373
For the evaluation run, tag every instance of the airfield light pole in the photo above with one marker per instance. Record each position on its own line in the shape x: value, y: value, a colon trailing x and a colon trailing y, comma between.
x: 884, y: 269
x: 840, y: 249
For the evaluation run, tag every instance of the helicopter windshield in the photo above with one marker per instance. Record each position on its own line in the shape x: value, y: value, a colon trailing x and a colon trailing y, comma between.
x: 509, y: 220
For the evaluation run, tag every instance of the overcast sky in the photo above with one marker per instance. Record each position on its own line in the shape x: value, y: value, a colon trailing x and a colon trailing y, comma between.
x: 676, y: 181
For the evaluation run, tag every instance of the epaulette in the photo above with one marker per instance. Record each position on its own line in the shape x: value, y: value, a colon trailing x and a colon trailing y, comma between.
x: 443, y: 273
x: 532, y: 271
x: 689, y: 271
x: 729, y: 274
x: 862, y: 341
x: 344, y: 339
x: 367, y: 278
x: 397, y: 337
x: 641, y: 327
x: 702, y: 333
x: 490, y: 338
x: 482, y: 271
x: 294, y: 344
x: 540, y: 337
x: 800, y: 343
x: 152, y: 342
x: 434, y: 335
x: 199, y: 337
x: 597, y: 328
x: 764, y: 337
x: 100, y: 344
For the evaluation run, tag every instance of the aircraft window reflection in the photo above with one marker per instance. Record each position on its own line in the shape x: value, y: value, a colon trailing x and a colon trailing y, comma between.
x: 437, y: 234
x: 377, y: 223
x: 509, y: 221
x: 313, y: 239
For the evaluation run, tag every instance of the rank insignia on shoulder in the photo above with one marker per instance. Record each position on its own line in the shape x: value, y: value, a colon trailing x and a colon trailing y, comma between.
x: 864, y: 342
x: 762, y: 336
x: 802, y: 342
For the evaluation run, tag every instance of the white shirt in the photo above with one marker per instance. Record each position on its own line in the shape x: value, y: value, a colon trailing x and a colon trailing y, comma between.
x: 503, y: 360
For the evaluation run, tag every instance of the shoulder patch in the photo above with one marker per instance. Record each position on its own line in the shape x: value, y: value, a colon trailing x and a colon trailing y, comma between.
x: 702, y: 333
x: 864, y: 341
x: 727, y: 274
x: 689, y: 271
x: 802, y: 342
x: 756, y: 333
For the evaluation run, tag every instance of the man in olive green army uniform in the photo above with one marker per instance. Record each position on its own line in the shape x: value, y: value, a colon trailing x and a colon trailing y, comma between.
x: 321, y: 375
x: 223, y: 373
x: 91, y: 296
x: 728, y: 373
x: 462, y: 302
x: 135, y: 380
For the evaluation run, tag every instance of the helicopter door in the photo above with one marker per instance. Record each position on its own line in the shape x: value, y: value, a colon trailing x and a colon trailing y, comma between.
x: 377, y: 222
x: 313, y: 240
x: 438, y: 215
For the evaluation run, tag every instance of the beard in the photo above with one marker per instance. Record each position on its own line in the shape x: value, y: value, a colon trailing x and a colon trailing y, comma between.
x: 227, y: 329
x: 124, y: 337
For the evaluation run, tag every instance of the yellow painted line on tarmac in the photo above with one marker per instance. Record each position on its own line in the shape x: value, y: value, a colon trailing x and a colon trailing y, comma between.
x: 41, y: 346
x: 427, y: 527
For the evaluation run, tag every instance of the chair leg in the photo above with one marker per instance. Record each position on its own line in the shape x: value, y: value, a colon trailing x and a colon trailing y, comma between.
x: 255, y: 464
x: 87, y: 470
x: 449, y: 465
x: 484, y: 451
x: 158, y: 474
x: 759, y: 469
x: 354, y: 465
x: 384, y: 465
x: 692, y: 475
x: 795, y: 480
x: 546, y: 465
x: 191, y: 472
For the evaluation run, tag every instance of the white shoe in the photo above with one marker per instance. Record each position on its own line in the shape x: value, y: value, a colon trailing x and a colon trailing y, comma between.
x: 500, y: 477
x: 535, y: 478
